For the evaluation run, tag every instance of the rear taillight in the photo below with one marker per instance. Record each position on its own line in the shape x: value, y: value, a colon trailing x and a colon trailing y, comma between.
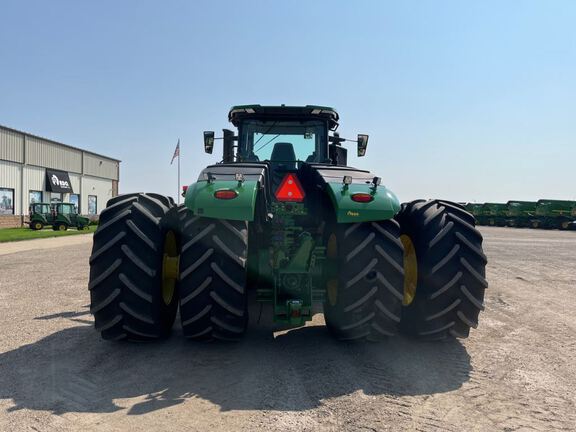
x: 361, y: 197
x: 225, y: 194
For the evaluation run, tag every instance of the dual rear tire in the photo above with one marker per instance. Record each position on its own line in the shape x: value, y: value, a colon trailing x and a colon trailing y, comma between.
x: 445, y: 270
x: 422, y: 274
x: 135, y: 284
x: 131, y: 291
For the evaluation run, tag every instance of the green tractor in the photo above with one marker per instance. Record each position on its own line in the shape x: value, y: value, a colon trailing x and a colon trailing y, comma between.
x: 60, y: 216
x: 41, y: 215
x: 66, y: 216
x: 559, y: 214
x: 281, y: 226
x: 520, y: 213
x: 494, y: 214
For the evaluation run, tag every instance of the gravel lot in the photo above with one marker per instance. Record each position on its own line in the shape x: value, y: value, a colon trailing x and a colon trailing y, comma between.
x: 517, y: 371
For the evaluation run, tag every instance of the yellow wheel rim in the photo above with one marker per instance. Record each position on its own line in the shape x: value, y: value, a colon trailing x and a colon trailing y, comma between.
x: 38, y: 226
x: 62, y: 227
x: 410, y: 270
x: 332, y: 279
x: 170, y: 267
x: 565, y: 224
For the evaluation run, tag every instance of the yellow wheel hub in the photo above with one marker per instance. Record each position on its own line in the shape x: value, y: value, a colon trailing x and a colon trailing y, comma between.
x: 170, y: 267
x: 410, y: 270
x: 38, y: 225
x: 62, y: 227
x: 332, y: 263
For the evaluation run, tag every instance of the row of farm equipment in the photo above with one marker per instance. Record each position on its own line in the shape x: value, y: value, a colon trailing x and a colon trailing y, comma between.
x: 545, y: 213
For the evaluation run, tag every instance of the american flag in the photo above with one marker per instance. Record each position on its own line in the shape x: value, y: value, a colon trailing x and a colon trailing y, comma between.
x: 176, y: 152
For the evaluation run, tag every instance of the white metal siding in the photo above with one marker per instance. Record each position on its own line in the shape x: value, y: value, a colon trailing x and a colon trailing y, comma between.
x: 10, y: 173
x: 102, y: 188
x: 35, y: 180
x: 11, y: 145
x: 46, y: 154
x: 100, y: 167
x: 75, y: 182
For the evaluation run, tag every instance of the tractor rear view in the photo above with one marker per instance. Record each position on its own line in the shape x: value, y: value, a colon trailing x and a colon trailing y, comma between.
x: 283, y: 222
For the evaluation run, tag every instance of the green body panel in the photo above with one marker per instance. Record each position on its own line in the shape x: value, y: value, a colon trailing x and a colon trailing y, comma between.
x: 45, y: 219
x: 71, y: 220
x: 384, y: 205
x: 552, y: 208
x: 200, y: 200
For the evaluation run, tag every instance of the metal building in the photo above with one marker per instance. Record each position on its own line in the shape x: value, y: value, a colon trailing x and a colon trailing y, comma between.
x: 35, y: 169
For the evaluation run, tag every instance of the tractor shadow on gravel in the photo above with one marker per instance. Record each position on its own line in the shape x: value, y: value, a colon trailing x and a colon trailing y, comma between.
x: 73, y: 370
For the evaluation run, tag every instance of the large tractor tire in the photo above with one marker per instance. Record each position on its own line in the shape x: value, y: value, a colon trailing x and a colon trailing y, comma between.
x: 133, y: 268
x: 213, y: 277
x: 445, y: 270
x: 364, y: 280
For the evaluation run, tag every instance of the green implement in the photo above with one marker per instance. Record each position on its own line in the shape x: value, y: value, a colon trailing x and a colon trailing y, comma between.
x: 520, y: 213
x: 476, y: 210
x: 559, y: 214
x: 495, y: 214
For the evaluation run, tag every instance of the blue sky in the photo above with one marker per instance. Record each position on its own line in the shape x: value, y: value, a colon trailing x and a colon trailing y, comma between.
x: 469, y: 101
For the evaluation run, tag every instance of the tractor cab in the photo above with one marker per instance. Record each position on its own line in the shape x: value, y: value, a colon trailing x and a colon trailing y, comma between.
x: 284, y: 136
x: 41, y: 215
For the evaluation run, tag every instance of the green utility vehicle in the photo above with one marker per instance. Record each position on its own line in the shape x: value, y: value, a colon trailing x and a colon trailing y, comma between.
x: 554, y: 214
x: 60, y: 216
x: 280, y: 226
x: 41, y: 215
x: 520, y: 213
x: 495, y: 214
x: 476, y: 210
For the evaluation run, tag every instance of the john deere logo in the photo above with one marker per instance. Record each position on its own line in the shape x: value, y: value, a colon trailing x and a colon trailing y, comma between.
x: 351, y: 213
x: 57, y: 182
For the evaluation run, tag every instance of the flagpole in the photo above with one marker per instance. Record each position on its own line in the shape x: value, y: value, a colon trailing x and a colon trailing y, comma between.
x: 179, y: 150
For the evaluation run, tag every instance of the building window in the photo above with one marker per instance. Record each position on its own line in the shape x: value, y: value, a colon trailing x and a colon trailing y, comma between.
x: 92, y: 204
x: 35, y: 197
x: 75, y: 199
x: 55, y: 197
x: 6, y: 201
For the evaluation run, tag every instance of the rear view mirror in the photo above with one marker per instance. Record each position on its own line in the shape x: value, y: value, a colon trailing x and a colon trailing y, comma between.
x: 362, y: 144
x: 208, y: 141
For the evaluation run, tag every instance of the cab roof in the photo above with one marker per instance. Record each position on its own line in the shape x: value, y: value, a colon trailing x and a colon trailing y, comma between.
x: 282, y: 112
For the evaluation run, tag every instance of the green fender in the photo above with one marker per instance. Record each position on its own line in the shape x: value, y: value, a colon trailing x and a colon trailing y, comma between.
x: 200, y: 200
x: 384, y: 205
x: 38, y: 218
